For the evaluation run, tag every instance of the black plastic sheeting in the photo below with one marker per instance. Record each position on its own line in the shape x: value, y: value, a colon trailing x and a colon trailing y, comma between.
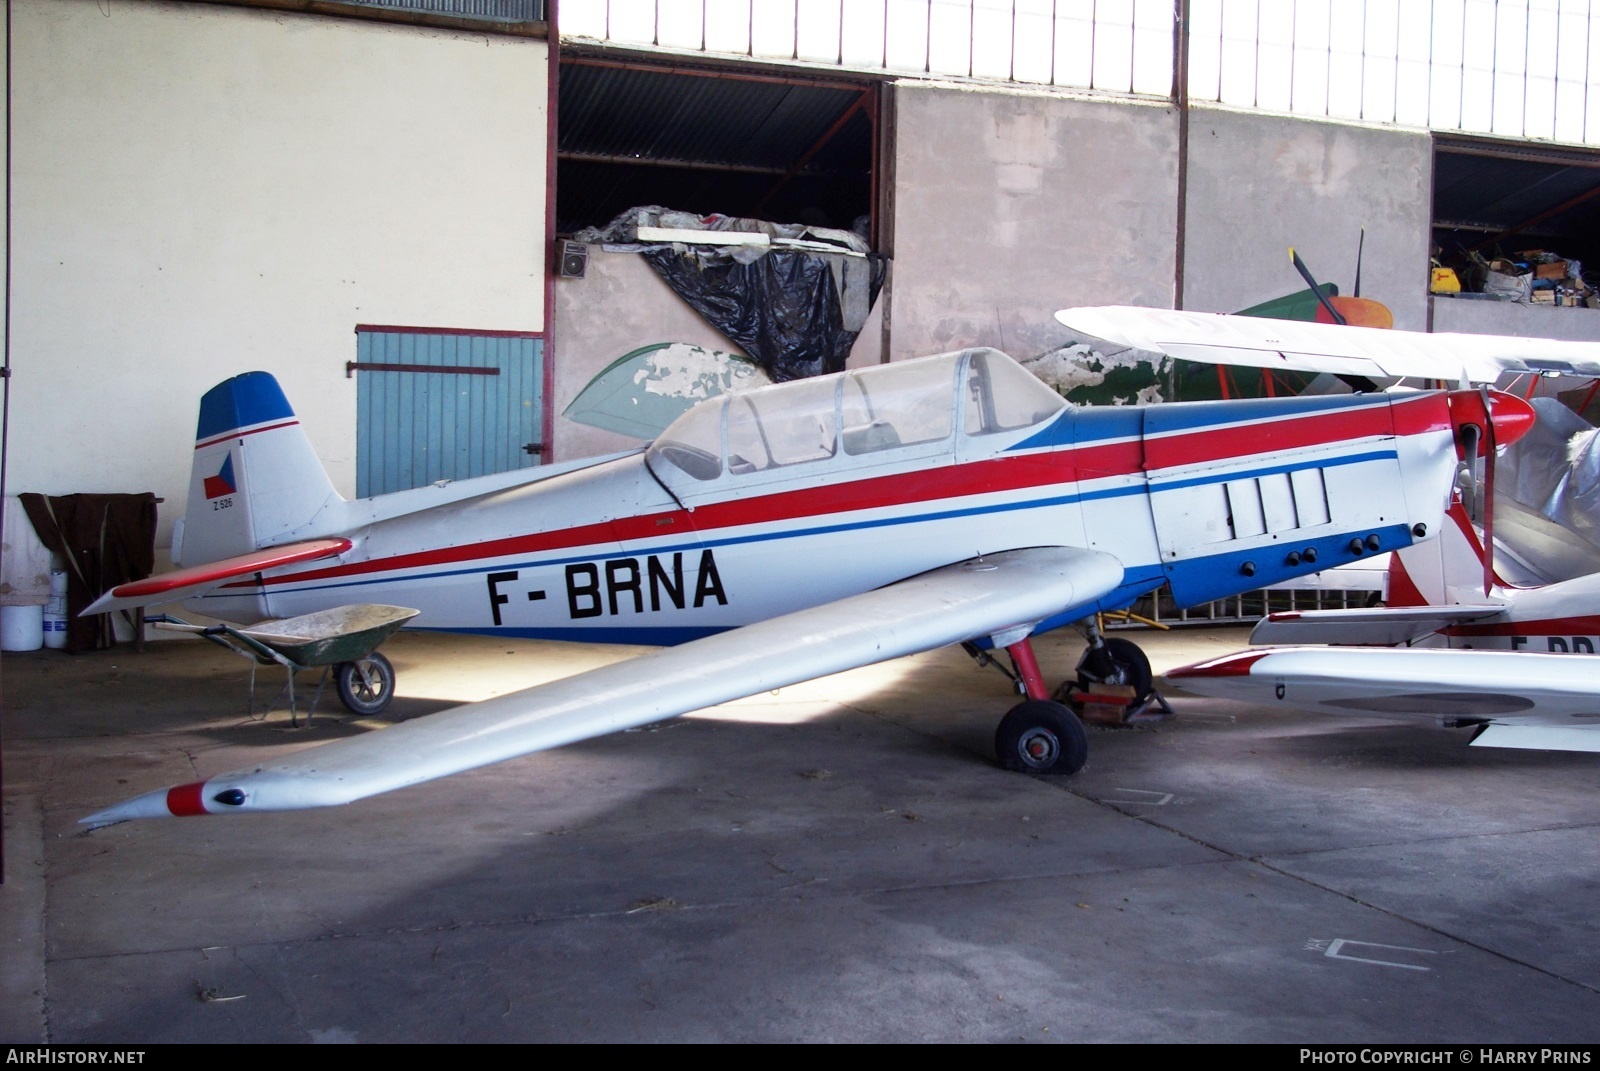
x: 782, y: 309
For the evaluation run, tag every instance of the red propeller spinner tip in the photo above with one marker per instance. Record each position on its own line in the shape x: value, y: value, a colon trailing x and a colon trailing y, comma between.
x: 1513, y: 418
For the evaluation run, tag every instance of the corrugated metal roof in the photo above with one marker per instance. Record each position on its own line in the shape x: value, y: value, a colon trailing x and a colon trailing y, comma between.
x: 631, y: 135
x: 686, y: 117
x: 498, y: 10
x: 1517, y: 197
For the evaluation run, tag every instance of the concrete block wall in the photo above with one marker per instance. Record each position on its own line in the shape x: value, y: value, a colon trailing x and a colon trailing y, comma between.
x: 1259, y: 184
x: 1011, y: 204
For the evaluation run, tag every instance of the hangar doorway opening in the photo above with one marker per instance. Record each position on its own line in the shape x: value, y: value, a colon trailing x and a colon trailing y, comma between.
x: 1497, y: 200
x: 770, y: 145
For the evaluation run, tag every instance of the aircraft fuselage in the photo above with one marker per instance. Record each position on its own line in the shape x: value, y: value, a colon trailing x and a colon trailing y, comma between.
x: 763, y: 503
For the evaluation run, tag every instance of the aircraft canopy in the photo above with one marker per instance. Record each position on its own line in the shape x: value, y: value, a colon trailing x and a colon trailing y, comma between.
x: 850, y: 414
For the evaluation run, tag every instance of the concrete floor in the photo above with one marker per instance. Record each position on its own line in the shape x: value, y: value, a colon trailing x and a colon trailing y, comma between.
x: 839, y: 861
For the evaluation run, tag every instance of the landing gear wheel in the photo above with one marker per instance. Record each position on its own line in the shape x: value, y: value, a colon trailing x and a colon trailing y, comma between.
x: 365, y: 685
x: 1041, y: 737
x: 1130, y: 668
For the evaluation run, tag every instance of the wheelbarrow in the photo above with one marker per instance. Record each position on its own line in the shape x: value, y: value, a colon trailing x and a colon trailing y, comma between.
x: 343, y: 642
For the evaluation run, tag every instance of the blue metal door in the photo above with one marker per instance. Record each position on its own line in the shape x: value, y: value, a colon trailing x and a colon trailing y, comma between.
x: 444, y: 405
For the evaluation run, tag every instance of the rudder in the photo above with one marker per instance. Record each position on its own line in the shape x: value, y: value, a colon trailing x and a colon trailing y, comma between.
x: 255, y: 479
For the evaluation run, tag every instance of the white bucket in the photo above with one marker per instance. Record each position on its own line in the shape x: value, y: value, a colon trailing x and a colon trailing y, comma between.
x: 55, y: 612
x: 21, y: 628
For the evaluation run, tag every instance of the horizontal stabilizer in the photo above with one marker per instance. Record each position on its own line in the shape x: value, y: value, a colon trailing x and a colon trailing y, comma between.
x: 965, y: 601
x: 1382, y: 626
x: 196, y: 579
x: 1510, y: 689
x: 1539, y: 737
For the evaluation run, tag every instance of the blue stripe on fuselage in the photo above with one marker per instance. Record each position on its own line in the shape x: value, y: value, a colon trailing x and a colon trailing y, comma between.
x: 642, y: 635
x: 1198, y: 580
x: 1273, y: 470
x: 1190, y: 416
x: 1095, y: 424
x: 1121, y: 491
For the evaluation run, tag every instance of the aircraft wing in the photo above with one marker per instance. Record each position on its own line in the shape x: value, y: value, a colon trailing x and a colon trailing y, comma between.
x: 1380, y: 626
x: 965, y: 601
x: 186, y: 583
x: 1539, y: 701
x: 1371, y: 352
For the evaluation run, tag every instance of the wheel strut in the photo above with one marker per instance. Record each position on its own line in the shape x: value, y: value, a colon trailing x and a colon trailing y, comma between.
x: 1028, y: 669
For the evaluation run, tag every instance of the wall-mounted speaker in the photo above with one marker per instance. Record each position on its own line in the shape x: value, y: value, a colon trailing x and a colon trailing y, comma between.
x: 573, y: 260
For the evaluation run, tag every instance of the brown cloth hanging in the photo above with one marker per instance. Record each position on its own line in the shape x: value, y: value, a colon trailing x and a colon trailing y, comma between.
x: 106, y: 540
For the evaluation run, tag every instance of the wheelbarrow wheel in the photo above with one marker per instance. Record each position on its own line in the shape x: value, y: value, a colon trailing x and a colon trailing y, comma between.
x: 365, y: 685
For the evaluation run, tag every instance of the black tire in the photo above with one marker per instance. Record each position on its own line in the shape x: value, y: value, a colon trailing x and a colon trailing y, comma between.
x: 1132, y: 667
x: 1041, y: 736
x: 365, y: 685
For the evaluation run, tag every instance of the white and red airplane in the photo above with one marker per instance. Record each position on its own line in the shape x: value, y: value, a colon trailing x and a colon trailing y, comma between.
x: 793, y: 531
x: 1453, y: 615
x: 1367, y: 352
x: 1496, y: 659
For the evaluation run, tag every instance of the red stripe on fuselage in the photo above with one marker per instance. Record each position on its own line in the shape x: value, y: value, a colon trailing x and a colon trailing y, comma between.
x: 1422, y: 414
x: 1103, y: 460
x: 901, y: 489
x: 1269, y: 436
x: 945, y: 482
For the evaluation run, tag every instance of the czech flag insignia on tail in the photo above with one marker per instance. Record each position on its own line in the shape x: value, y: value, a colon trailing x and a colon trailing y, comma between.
x: 222, y: 483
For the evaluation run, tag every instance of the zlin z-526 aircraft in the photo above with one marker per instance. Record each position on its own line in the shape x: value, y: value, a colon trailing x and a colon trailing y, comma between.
x: 788, y: 532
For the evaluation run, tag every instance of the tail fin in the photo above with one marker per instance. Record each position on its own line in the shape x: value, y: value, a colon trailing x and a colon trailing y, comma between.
x: 256, y: 479
x: 1441, y: 572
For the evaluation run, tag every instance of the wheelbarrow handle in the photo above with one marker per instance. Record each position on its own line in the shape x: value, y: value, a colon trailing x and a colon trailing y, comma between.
x: 173, y: 625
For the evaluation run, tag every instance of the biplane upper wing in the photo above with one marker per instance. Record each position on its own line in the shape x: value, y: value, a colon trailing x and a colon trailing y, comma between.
x: 1539, y: 701
x: 969, y: 600
x: 1371, y: 352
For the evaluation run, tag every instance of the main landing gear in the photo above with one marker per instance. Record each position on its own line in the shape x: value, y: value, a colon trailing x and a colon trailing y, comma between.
x: 1041, y: 736
x: 1044, y: 734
